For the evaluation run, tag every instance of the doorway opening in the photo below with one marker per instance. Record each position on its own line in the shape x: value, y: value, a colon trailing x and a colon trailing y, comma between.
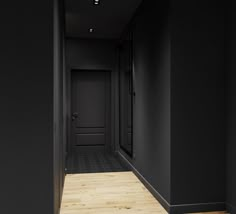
x: 91, y: 140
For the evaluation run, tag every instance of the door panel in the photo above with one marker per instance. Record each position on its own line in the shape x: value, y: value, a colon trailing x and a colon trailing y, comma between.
x: 90, y: 99
x: 90, y: 109
x: 90, y: 139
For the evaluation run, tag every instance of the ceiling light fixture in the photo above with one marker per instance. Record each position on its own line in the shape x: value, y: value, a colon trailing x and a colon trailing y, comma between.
x: 96, y: 2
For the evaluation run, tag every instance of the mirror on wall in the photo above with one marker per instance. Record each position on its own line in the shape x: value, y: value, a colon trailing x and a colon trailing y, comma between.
x: 126, y: 92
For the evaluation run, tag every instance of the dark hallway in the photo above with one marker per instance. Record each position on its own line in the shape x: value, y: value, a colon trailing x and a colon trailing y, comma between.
x: 95, y: 84
x: 127, y: 105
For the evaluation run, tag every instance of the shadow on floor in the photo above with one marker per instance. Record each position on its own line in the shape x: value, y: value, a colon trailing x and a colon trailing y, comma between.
x: 94, y: 162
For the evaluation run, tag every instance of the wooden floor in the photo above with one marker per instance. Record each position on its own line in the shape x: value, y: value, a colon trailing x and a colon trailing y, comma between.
x: 107, y: 193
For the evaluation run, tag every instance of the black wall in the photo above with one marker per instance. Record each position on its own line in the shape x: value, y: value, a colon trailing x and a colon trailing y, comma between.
x: 179, y: 107
x: 231, y: 107
x: 197, y: 105
x: 26, y: 110
x: 91, y: 54
x: 151, y: 127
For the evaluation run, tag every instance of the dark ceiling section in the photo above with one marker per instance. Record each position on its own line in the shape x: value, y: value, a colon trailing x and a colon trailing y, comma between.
x: 108, y: 19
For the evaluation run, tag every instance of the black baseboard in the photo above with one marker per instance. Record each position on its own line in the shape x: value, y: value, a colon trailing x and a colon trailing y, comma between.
x: 201, y: 207
x: 174, y: 209
x: 230, y: 208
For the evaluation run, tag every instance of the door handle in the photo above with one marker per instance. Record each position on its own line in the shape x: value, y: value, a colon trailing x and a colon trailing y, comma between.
x: 75, y: 115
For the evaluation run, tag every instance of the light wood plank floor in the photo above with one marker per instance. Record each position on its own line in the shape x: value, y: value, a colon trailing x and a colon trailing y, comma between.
x: 107, y: 193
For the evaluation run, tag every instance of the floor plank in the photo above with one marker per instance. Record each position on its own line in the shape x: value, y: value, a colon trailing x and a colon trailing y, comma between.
x: 107, y: 193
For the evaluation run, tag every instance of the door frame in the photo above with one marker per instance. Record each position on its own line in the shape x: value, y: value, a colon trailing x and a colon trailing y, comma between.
x: 69, y: 101
x: 128, y: 33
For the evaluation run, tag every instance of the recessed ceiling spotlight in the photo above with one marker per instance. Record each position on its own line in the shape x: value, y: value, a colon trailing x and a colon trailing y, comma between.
x: 96, y: 2
x: 91, y: 30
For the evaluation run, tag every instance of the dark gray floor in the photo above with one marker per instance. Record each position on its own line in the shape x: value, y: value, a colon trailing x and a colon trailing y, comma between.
x: 94, y: 162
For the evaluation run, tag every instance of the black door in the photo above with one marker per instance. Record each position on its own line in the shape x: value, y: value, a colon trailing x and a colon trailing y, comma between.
x: 90, y: 110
